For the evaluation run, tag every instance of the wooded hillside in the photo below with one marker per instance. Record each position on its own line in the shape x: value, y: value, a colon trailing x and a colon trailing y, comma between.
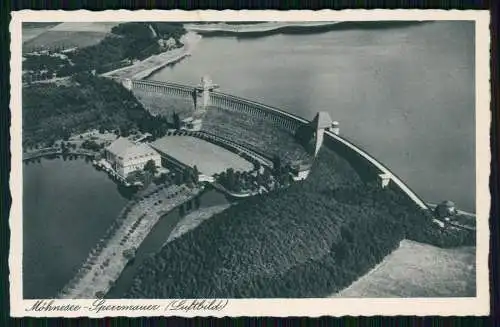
x: 51, y: 112
x: 309, y: 240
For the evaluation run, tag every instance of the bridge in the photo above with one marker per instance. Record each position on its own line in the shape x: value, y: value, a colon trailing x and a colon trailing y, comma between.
x: 280, y: 119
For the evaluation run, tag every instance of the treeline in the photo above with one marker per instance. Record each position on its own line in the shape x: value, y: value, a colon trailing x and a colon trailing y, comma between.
x: 167, y: 30
x: 310, y: 240
x: 53, y: 112
x: 127, y: 42
x: 46, y: 63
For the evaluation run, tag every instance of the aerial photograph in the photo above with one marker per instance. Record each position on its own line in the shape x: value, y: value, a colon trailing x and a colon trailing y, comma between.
x: 248, y: 159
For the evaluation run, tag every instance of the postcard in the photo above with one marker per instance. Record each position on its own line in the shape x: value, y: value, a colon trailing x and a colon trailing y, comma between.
x: 249, y: 163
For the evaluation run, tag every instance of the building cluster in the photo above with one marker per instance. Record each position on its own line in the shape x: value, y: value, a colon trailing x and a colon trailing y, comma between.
x: 125, y: 157
x: 167, y: 44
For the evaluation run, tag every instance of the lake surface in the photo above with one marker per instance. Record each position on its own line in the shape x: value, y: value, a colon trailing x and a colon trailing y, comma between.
x: 67, y: 207
x: 406, y: 95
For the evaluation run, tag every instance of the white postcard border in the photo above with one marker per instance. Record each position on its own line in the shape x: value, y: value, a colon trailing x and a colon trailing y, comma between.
x: 266, y: 307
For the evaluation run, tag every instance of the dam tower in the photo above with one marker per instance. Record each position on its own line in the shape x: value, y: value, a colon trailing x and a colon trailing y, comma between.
x: 320, y: 122
x: 205, y: 87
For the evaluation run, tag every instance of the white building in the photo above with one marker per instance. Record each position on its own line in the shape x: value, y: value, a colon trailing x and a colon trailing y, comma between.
x: 126, y: 157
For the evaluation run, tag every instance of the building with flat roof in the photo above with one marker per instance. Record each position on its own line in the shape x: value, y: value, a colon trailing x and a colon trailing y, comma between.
x: 125, y: 156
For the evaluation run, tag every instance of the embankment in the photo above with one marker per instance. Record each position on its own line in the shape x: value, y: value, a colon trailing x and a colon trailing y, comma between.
x: 193, y: 219
x: 148, y: 66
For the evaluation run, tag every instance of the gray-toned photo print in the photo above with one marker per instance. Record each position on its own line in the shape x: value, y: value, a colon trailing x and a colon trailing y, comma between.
x: 172, y: 166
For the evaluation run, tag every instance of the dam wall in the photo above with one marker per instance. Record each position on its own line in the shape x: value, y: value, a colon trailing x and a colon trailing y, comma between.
x: 170, y: 89
x: 366, y: 165
x: 369, y: 167
x: 228, y: 102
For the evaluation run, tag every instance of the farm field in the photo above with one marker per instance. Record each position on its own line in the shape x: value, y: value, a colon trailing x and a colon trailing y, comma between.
x: 208, y: 158
x: 66, y: 35
x: 102, y: 27
x: 32, y: 30
x: 419, y: 270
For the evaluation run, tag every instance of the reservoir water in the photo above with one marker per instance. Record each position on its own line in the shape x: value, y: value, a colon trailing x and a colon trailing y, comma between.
x: 405, y: 94
x: 67, y: 207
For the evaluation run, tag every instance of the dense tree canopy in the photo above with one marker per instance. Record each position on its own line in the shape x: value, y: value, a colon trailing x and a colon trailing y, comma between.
x: 127, y: 42
x: 311, y: 239
x: 51, y: 112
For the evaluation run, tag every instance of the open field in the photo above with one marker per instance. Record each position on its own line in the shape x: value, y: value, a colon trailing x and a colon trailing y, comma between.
x: 209, y: 158
x: 255, y: 132
x: 102, y: 27
x: 65, y: 35
x: 32, y: 30
x: 419, y: 270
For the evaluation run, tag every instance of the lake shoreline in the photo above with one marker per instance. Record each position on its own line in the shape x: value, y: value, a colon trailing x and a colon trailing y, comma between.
x: 147, y: 67
x: 261, y: 29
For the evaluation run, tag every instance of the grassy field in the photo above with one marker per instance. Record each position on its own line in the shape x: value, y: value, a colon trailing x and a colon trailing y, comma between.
x: 209, y: 158
x: 419, y: 270
x: 102, y: 27
x: 66, y: 35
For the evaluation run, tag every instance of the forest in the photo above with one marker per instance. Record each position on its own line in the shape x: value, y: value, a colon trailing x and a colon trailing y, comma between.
x: 127, y: 41
x: 52, y: 112
x: 309, y: 240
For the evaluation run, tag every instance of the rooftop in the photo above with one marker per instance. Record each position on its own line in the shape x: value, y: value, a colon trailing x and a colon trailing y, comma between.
x: 125, y: 149
x: 209, y: 158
